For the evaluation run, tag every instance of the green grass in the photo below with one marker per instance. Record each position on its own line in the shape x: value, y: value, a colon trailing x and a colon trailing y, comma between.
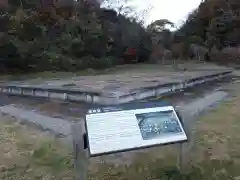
x: 47, y: 155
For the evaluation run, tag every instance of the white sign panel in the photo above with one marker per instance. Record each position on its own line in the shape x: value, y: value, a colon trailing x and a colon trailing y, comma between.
x: 120, y: 128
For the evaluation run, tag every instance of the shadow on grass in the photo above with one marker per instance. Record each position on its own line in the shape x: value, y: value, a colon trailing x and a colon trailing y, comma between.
x: 209, y: 170
x: 46, y: 155
x: 161, y: 169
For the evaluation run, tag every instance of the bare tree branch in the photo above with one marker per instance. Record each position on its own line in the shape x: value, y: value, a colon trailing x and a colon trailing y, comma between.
x: 126, y: 8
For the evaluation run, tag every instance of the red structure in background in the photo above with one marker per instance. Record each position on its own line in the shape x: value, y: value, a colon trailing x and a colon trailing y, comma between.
x: 130, y: 55
x: 131, y: 51
x: 3, y: 3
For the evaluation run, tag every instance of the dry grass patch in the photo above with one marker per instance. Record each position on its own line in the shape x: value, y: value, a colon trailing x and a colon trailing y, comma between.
x: 142, y: 68
x: 27, y: 153
x: 217, y: 147
x: 215, y: 154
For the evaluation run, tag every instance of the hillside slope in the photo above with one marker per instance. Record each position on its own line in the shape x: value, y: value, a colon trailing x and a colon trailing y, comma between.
x: 216, y: 22
x: 66, y: 37
x: 216, y: 25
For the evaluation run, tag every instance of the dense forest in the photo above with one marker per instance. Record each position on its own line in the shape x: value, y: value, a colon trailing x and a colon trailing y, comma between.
x: 215, y: 24
x: 67, y: 36
x: 74, y: 35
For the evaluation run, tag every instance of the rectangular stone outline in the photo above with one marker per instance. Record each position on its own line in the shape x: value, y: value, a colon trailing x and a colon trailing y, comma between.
x: 97, y: 97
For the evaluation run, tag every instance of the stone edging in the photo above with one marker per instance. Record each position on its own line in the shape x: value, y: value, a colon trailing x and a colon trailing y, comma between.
x: 98, y: 98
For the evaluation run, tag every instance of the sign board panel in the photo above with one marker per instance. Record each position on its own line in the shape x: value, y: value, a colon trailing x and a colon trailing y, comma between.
x: 132, y: 126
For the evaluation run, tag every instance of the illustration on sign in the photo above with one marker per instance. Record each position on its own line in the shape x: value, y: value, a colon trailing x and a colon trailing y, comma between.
x: 157, y: 124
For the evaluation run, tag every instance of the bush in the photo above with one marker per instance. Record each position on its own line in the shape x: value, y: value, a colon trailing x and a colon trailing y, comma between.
x: 63, y: 38
x: 227, y: 55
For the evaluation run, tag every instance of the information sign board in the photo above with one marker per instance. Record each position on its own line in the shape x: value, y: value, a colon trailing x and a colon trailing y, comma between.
x: 132, y: 126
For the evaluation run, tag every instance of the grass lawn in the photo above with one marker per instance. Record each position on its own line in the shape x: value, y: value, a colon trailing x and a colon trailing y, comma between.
x: 27, y: 153
x: 120, y: 69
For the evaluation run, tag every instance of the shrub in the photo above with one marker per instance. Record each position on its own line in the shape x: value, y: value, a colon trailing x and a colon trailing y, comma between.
x: 227, y: 55
x: 65, y: 38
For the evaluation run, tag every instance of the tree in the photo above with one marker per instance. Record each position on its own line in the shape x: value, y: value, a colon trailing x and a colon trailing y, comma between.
x: 128, y: 9
x: 123, y: 7
x: 161, y: 33
x: 160, y: 25
x: 216, y: 22
x: 130, y: 31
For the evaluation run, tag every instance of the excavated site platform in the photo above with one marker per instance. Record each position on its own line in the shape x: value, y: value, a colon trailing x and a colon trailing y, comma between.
x: 122, y: 86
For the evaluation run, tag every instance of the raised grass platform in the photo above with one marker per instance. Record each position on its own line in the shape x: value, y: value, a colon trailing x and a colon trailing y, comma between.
x: 118, y: 88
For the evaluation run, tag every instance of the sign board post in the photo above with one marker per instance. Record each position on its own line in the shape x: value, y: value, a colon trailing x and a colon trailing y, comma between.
x: 180, y: 157
x: 189, y: 123
x: 80, y: 154
x: 120, y: 128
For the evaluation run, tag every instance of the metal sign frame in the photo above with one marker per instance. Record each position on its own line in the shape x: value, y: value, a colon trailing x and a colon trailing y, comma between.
x: 81, y: 149
x: 139, y: 105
